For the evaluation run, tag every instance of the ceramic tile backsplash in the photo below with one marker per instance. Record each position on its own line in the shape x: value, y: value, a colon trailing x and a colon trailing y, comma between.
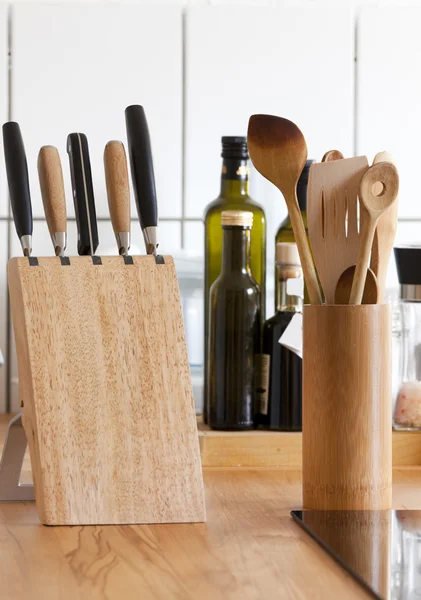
x: 194, y: 237
x: 389, y: 49
x: 198, y: 83
x: 3, y: 313
x: 4, y: 100
x: 281, y: 62
x: 116, y: 55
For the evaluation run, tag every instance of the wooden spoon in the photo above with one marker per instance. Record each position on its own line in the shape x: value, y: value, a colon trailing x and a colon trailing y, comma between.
x: 373, y: 207
x: 384, y: 236
x: 332, y: 155
x: 278, y: 150
x: 344, y: 285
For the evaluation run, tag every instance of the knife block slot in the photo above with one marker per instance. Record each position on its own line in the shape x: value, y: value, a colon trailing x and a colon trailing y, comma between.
x: 108, y: 405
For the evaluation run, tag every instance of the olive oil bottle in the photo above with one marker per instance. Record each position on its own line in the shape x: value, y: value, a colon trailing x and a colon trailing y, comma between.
x: 285, y: 232
x: 279, y: 388
x: 233, y: 196
x: 234, y: 329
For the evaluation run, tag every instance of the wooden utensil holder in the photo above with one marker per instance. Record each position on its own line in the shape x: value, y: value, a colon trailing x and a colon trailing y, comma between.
x: 105, y: 384
x: 347, y: 426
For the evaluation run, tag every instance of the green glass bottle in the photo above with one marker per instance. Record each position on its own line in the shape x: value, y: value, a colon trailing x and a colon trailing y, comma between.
x: 285, y: 232
x: 234, y: 329
x: 234, y: 196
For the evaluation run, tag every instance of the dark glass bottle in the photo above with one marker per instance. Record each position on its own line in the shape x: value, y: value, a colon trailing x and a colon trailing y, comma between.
x: 234, y: 329
x: 279, y: 394
x: 285, y: 232
x: 234, y: 196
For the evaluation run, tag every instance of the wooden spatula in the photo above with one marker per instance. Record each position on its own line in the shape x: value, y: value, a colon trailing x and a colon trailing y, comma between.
x: 278, y: 150
x: 384, y: 236
x: 332, y: 216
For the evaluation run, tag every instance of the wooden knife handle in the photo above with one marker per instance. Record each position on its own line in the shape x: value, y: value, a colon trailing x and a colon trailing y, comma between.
x: 51, y: 182
x: 118, y: 191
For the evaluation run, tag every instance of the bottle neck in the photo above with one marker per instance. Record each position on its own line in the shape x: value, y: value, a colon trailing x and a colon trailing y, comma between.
x: 236, y: 250
x: 302, y: 194
x: 289, y: 292
x: 234, y: 177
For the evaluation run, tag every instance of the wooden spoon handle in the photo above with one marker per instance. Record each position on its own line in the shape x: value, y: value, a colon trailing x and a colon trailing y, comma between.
x: 307, y: 263
x: 366, y: 241
x: 386, y: 230
x: 52, y: 188
x: 118, y: 191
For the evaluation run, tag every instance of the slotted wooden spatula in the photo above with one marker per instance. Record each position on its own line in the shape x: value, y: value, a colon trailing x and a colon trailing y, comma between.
x: 332, y: 215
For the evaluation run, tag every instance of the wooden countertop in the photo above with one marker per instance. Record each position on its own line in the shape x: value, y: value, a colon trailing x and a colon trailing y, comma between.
x: 249, y: 548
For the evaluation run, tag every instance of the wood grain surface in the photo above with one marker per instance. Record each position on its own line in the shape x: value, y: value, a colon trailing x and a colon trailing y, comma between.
x: 249, y: 548
x: 347, y: 416
x: 283, y: 450
x: 51, y: 182
x: 118, y: 189
x: 332, y: 207
x: 105, y: 381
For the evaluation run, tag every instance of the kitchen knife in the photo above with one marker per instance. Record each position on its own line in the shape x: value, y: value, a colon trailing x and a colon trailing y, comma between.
x: 52, y: 190
x: 83, y: 193
x: 143, y: 178
x: 118, y: 191
x: 18, y: 180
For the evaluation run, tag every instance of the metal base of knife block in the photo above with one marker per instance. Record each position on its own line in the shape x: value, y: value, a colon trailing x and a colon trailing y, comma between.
x: 108, y: 405
x: 11, y: 490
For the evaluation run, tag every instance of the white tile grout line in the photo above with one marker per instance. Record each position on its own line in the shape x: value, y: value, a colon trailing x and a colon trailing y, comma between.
x: 355, y: 141
x: 8, y: 361
x: 183, y: 121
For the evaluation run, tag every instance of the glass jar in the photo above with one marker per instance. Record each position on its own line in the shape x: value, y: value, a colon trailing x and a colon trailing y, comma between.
x: 406, y: 555
x: 407, y: 393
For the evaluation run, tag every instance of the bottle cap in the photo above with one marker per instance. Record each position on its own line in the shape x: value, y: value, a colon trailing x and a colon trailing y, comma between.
x: 408, y: 264
x: 306, y: 171
x: 287, y: 253
x: 234, y: 147
x: 239, y: 218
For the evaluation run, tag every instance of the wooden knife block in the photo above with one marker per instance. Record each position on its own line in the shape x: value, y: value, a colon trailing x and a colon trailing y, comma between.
x: 105, y: 384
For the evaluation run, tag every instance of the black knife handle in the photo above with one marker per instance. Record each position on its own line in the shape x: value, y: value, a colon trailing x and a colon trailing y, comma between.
x: 17, y: 177
x: 83, y: 193
x: 141, y: 165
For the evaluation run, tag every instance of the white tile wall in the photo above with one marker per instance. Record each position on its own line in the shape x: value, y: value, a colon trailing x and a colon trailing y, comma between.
x: 76, y: 65
x: 239, y: 62
x: 3, y: 313
x: 4, y: 98
x: 389, y: 91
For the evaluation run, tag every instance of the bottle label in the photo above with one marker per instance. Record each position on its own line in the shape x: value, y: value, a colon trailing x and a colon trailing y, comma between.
x: 262, y: 382
x: 295, y: 287
x: 292, y: 338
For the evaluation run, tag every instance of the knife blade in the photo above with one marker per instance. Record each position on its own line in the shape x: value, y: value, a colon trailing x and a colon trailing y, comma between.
x: 18, y: 180
x: 118, y: 192
x: 143, y: 177
x: 53, y: 196
x: 83, y: 193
